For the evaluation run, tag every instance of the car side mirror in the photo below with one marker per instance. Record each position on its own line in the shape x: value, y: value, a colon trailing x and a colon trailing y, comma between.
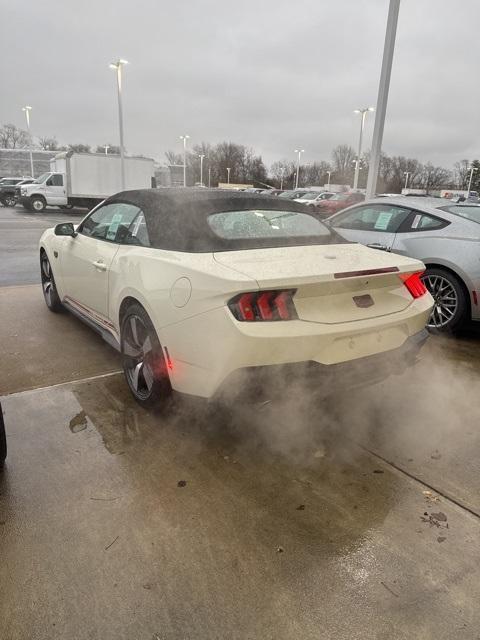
x: 65, y: 229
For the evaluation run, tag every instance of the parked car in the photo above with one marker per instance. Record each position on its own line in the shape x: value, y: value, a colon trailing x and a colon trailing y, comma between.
x: 338, y: 202
x: 272, y: 192
x: 195, y: 287
x: 313, y: 198
x: 8, y: 190
x: 444, y: 235
x: 293, y: 194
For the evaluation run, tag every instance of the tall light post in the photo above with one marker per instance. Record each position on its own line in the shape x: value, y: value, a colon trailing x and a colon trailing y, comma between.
x: 209, y: 175
x: 472, y: 169
x: 201, y: 156
x: 363, y: 113
x: 228, y: 175
x: 27, y: 110
x: 184, y: 138
x: 299, y: 153
x: 282, y: 173
x: 406, y: 174
x: 118, y: 65
x: 106, y: 147
x: 382, y: 98
x: 329, y: 173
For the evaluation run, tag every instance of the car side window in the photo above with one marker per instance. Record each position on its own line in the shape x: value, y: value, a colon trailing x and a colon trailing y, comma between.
x: 110, y: 222
x: 375, y: 217
x: 56, y: 180
x: 137, y: 232
x: 424, y: 222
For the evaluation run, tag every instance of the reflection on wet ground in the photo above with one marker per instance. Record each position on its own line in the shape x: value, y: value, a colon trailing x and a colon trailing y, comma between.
x: 268, y: 519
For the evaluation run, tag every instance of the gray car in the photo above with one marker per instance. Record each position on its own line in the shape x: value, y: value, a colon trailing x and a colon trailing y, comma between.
x: 443, y: 234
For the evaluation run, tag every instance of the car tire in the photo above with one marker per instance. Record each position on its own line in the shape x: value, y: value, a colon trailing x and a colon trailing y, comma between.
x: 50, y: 293
x: 450, y: 309
x: 3, y: 440
x: 38, y: 204
x: 9, y: 201
x: 143, y: 361
x: 66, y: 207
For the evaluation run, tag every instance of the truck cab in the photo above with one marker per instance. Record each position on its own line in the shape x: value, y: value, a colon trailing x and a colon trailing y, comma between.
x: 49, y: 189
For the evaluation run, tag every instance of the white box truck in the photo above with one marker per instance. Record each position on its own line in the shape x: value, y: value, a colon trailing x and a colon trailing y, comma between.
x: 84, y: 180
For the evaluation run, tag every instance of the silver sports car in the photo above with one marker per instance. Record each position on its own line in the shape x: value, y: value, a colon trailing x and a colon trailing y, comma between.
x: 444, y: 235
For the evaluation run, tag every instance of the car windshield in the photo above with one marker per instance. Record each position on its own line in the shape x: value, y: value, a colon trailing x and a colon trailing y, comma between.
x: 262, y: 224
x: 340, y: 196
x: 42, y: 178
x: 469, y: 212
x: 310, y: 195
x: 11, y: 181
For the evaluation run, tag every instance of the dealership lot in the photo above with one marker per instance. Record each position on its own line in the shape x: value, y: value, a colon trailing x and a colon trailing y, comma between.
x: 280, y: 518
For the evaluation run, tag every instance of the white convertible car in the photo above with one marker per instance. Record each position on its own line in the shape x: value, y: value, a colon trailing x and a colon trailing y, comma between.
x: 194, y: 286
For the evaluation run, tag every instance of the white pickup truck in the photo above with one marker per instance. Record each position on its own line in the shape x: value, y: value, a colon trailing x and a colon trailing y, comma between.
x: 84, y: 180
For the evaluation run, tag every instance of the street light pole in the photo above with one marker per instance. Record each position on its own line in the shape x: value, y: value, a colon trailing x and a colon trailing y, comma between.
x: 228, y: 175
x: 118, y: 67
x: 363, y: 113
x: 282, y: 171
x: 27, y: 110
x: 382, y: 97
x: 406, y: 174
x: 209, y: 175
x: 201, y: 156
x: 472, y: 169
x: 299, y: 153
x: 329, y: 173
x: 184, y: 138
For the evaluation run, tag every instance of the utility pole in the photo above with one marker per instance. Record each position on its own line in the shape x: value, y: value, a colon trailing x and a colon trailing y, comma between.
x: 382, y: 99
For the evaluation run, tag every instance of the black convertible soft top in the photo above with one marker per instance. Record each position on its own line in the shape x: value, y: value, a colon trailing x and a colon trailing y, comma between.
x: 176, y: 218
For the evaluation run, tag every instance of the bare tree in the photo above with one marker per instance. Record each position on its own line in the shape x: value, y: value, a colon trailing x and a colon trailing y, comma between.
x: 48, y: 143
x: 462, y: 174
x: 173, y: 158
x: 11, y: 137
x: 434, y: 177
x: 80, y: 148
x: 343, y: 158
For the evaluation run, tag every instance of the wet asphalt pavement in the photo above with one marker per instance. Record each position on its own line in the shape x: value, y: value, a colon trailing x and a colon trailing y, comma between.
x: 356, y: 518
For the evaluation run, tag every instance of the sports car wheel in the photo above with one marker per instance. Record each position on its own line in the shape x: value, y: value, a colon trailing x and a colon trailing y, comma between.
x: 50, y: 294
x: 450, y: 305
x: 143, y: 360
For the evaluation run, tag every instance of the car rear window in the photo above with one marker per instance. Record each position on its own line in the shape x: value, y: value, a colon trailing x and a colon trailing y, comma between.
x: 470, y: 213
x: 262, y: 224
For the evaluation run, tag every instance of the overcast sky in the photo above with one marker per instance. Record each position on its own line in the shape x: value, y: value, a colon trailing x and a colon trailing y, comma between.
x: 270, y: 74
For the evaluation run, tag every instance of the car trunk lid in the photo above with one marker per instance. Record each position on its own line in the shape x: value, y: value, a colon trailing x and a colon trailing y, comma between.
x: 334, y: 283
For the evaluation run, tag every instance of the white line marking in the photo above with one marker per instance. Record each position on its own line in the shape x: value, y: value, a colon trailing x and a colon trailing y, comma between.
x: 62, y: 384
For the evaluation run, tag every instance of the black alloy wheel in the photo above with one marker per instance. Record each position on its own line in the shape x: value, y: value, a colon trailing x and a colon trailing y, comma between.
x: 50, y: 293
x: 143, y: 361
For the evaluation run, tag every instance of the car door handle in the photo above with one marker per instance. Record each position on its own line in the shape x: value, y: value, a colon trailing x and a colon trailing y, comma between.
x: 100, y: 265
x: 376, y: 245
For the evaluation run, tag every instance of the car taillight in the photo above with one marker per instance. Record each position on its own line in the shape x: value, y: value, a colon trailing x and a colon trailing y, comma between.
x: 262, y: 306
x: 414, y: 283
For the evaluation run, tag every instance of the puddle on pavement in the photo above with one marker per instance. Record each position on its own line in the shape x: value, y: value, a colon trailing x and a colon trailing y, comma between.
x: 306, y: 481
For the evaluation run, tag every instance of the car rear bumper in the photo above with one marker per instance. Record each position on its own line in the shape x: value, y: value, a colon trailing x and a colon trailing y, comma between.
x: 323, y: 380
x: 206, y: 350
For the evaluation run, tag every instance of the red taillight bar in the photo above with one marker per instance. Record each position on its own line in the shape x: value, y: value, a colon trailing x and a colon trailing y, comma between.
x: 264, y: 306
x: 414, y: 283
